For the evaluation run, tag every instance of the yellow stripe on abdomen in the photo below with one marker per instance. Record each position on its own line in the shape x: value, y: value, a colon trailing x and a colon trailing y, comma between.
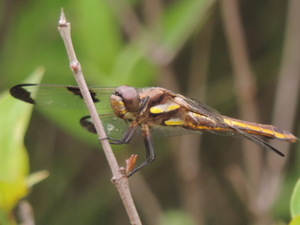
x: 261, y: 129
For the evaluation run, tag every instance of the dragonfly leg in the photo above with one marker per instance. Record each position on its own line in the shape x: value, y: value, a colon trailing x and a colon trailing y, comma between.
x: 125, y: 139
x: 113, y: 141
x: 150, y: 151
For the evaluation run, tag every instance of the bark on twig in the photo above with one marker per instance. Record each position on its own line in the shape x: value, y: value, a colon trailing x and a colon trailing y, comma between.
x: 120, y: 181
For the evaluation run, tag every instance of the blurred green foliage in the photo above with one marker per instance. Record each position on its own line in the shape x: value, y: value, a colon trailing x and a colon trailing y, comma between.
x: 15, y: 180
x: 78, y: 190
x: 295, y: 201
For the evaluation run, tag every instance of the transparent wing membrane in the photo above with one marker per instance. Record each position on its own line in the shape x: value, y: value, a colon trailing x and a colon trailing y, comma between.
x: 62, y: 96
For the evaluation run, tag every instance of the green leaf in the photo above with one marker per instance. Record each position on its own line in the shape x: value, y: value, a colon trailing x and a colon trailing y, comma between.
x: 295, y: 201
x: 295, y: 221
x: 98, y: 35
x: 181, y: 20
x: 131, y: 67
x: 14, y: 163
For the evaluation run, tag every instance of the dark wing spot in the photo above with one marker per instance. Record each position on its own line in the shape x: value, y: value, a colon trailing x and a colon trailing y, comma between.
x: 88, y: 124
x: 76, y: 91
x: 20, y: 93
x: 94, y: 96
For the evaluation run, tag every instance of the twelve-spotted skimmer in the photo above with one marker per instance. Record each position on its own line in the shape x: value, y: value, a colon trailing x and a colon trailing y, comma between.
x: 131, y: 108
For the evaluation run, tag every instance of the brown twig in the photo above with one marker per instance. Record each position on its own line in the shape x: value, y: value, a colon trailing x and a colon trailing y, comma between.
x: 25, y: 213
x: 286, y: 101
x: 189, y: 157
x: 246, y: 89
x: 120, y: 181
x: 245, y: 83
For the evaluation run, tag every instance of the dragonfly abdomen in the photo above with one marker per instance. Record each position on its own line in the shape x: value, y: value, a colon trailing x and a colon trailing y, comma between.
x: 195, y: 121
x: 261, y: 129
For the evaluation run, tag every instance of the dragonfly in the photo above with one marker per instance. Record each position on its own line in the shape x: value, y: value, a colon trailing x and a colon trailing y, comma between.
x: 127, y: 110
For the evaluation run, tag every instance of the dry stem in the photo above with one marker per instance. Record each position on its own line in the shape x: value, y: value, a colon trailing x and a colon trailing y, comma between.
x: 120, y: 181
x: 268, y: 179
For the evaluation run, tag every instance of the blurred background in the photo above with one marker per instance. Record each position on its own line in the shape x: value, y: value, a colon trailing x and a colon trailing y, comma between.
x: 240, y: 57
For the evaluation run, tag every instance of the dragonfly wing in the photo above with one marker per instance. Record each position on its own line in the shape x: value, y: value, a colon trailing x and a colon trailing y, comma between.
x: 113, y: 125
x: 258, y: 140
x: 62, y: 96
x: 201, y: 108
x: 116, y: 127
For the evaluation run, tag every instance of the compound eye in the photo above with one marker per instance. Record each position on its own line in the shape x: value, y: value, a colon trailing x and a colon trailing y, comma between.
x: 130, y: 98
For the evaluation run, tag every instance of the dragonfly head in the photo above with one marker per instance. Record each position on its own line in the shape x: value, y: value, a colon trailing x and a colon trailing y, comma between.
x: 125, y: 102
